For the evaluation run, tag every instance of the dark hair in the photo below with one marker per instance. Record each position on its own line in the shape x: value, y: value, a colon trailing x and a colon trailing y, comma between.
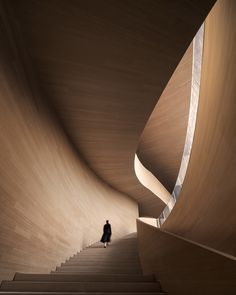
x: 107, y: 221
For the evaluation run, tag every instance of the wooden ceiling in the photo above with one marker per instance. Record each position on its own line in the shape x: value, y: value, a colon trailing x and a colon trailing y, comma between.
x: 103, y: 66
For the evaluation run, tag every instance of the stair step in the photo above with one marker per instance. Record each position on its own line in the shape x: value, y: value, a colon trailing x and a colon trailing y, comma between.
x: 100, y: 269
x: 126, y: 244
x: 116, y: 257
x: 105, y: 256
x: 80, y: 286
x: 82, y: 278
x: 88, y: 273
x: 110, y: 248
x: 101, y: 249
x: 100, y: 266
x: 91, y: 261
x: 102, y: 262
x: 80, y: 293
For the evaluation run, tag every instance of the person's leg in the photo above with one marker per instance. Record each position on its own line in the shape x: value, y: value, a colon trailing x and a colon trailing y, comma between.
x: 105, y: 244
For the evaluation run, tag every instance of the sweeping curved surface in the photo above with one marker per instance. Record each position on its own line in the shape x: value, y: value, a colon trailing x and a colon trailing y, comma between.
x: 162, y: 142
x: 103, y: 65
x: 150, y: 181
x: 205, y: 211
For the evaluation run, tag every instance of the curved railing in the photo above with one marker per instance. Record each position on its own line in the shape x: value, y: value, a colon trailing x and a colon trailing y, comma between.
x: 150, y: 181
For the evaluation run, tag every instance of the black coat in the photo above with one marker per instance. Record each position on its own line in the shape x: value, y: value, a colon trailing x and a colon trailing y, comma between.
x: 106, y: 237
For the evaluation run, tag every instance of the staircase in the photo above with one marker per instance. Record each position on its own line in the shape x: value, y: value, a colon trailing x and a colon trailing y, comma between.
x: 94, y: 271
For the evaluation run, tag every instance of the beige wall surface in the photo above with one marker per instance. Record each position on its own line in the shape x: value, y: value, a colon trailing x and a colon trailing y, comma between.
x: 183, y: 267
x: 205, y: 211
x: 51, y: 204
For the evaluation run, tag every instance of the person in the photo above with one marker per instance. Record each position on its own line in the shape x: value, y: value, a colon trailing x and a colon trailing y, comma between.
x: 106, y: 237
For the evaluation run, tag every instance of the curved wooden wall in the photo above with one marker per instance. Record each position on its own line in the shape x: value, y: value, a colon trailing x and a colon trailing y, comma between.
x: 51, y: 204
x: 183, y: 267
x: 103, y: 65
x: 161, y: 144
x: 205, y: 211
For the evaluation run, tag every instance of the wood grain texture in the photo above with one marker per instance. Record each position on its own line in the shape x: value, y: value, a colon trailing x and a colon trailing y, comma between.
x: 183, y: 267
x: 206, y: 208
x: 51, y: 204
x: 103, y: 65
x: 161, y: 144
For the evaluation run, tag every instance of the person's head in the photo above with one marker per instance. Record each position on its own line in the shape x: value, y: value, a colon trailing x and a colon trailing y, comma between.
x: 107, y: 221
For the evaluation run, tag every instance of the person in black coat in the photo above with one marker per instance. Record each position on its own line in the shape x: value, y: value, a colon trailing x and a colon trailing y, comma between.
x: 106, y: 237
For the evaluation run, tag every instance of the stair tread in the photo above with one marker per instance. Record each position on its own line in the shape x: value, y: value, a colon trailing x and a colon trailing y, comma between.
x: 80, y: 286
x: 89, y: 272
x: 74, y: 283
x: 81, y: 277
x: 81, y: 293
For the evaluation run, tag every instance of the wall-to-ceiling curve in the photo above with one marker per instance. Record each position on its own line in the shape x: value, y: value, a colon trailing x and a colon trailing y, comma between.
x: 103, y: 67
x: 51, y: 204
